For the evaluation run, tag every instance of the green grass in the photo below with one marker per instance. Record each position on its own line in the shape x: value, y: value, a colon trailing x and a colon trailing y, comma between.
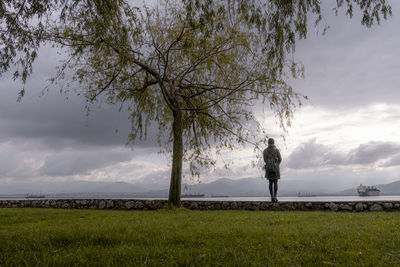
x: 54, y: 237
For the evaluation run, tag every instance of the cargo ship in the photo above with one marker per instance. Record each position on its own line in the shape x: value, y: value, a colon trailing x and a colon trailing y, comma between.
x: 366, y: 191
x: 306, y: 194
x: 192, y: 195
x: 35, y: 196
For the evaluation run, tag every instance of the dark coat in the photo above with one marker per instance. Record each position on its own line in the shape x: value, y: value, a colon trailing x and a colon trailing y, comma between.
x: 274, y: 152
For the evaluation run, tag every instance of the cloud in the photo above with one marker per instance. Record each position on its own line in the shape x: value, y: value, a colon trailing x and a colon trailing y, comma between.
x: 361, y: 72
x: 394, y: 161
x: 60, y: 120
x: 372, y: 152
x: 311, y: 154
x: 68, y: 163
x: 24, y: 162
x: 314, y: 155
x: 17, y: 164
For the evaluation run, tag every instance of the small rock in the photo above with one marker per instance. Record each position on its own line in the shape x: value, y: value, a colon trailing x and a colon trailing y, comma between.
x: 375, y: 207
x: 359, y: 206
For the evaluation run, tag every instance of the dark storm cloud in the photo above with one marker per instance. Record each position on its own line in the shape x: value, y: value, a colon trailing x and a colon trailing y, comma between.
x: 314, y: 155
x: 311, y: 154
x: 52, y: 135
x: 363, y: 71
x: 372, y: 152
x: 59, y: 121
x: 15, y: 164
x: 70, y: 163
x: 394, y: 161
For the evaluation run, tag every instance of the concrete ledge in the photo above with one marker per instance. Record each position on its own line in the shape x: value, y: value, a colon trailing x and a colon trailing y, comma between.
x: 143, y: 204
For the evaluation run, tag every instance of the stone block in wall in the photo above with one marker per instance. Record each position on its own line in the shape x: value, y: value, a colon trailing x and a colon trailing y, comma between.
x: 225, y: 205
x: 333, y: 206
x: 388, y: 205
x: 245, y: 205
x: 139, y: 205
x: 359, y: 207
x: 129, y: 205
x: 264, y: 205
x: 255, y: 205
x: 346, y: 207
x: 375, y: 207
x: 102, y: 204
x: 193, y: 206
x: 110, y: 204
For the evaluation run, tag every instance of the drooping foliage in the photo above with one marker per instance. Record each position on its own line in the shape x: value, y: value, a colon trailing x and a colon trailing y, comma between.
x: 194, y: 69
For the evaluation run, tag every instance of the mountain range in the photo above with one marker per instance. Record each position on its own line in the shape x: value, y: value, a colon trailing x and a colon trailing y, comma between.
x: 251, y: 187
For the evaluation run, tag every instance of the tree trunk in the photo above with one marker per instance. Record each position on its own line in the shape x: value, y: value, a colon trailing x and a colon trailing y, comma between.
x: 177, y: 154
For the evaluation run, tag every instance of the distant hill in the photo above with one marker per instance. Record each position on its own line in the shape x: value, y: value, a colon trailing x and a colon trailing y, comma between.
x: 70, y: 187
x: 251, y: 187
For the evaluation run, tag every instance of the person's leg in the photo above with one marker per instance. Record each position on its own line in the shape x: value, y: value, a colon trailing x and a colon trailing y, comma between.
x: 271, y: 192
x: 275, y: 189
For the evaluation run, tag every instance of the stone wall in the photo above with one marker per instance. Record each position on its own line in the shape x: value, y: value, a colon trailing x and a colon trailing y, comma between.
x: 142, y: 204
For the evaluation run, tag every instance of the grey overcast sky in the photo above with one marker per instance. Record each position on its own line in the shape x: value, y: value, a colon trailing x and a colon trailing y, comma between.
x: 347, y: 133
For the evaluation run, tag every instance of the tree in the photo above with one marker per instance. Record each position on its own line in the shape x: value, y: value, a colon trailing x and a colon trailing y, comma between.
x: 194, y: 68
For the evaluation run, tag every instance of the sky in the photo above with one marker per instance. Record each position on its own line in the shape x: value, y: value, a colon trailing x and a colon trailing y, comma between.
x: 345, y: 134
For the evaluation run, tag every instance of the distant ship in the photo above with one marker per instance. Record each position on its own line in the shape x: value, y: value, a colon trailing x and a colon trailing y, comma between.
x: 366, y: 191
x: 306, y: 194
x: 35, y: 196
x: 193, y: 195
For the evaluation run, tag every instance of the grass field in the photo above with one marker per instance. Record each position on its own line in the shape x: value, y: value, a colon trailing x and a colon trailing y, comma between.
x: 43, y: 237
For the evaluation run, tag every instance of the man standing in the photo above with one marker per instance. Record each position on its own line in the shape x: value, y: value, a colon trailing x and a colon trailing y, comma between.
x: 272, y: 159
